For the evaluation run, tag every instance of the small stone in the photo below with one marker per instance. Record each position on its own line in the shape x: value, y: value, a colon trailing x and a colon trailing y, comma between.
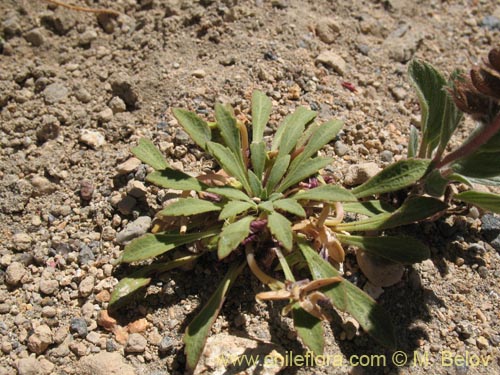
x: 105, y: 363
x: 92, y: 138
x: 386, y: 156
x: 40, y: 340
x: 106, y: 115
x: 55, y: 93
x: 340, y: 148
x: 332, y: 60
x: 136, y: 189
x: 87, y: 37
x: 93, y: 337
x: 48, y: 286
x: 166, y: 344
x: 128, y: 166
x: 35, y: 37
x: 28, y: 366
x: 482, y: 342
x: 327, y: 30
x: 134, y: 229
x: 41, y: 186
x: 15, y: 273
x: 103, y: 296
x: 45, y: 366
x: 83, y: 95
x: 351, y: 327
x: 78, y: 348
x: 199, y: 73
x: 86, y: 190
x: 86, y: 255
x: 490, y: 22
x: 49, y: 129
x: 11, y: 27
x: 490, y: 226
x: 106, y: 321
x: 123, y: 87
x: 108, y: 233
x: 359, y: 173
x: 78, y: 326
x: 138, y: 326
x: 49, y: 311
x: 399, y: 93
x: 86, y: 286
x: 126, y: 205
x: 117, y: 105
x: 483, y: 272
x: 136, y: 343
x: 22, y: 241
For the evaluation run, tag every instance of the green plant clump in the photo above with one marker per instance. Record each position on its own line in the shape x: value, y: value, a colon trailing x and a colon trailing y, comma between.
x: 271, y: 210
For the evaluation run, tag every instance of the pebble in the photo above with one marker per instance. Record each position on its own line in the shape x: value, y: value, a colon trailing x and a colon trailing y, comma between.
x: 11, y: 27
x: 332, y: 60
x: 78, y: 326
x: 48, y: 286
x: 105, y: 363
x: 108, y: 233
x: 136, y: 189
x: 49, y: 311
x: 165, y: 344
x: 490, y: 226
x: 106, y: 115
x: 86, y: 255
x: 87, y: 37
x: 490, y: 22
x: 482, y: 342
x: 399, y: 93
x: 83, y: 95
x: 86, y: 190
x: 386, y: 156
x: 126, y: 205
x: 123, y: 87
x: 134, y: 229
x: 49, y: 130
x: 40, y: 340
x: 55, y: 92
x: 93, y: 337
x: 117, y: 105
x: 28, y: 366
x: 86, y: 286
x: 78, y: 348
x: 340, y: 148
x: 327, y: 30
x: 41, y: 186
x: 136, y: 343
x: 483, y: 272
x: 128, y: 166
x: 35, y: 37
x: 199, y: 73
x: 15, y: 273
x: 359, y: 173
x: 92, y: 138
x: 106, y: 321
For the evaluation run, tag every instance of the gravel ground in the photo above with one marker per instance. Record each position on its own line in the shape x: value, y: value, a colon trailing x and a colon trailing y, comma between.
x: 78, y: 90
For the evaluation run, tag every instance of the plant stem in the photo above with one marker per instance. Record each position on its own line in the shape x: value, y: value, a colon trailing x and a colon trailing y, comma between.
x: 261, y: 275
x: 468, y: 148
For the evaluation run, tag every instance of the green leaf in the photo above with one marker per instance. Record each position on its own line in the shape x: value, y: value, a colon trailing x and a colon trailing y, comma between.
x: 229, y: 193
x: 255, y: 184
x: 291, y: 129
x: 309, y: 329
x: 435, y: 184
x: 281, y: 229
x: 258, y: 157
x: 232, y: 235
x: 147, y: 152
x: 152, y: 245
x: 430, y: 86
x: 486, y: 201
x: 326, y: 193
x: 266, y: 206
x: 395, y: 177
x: 289, y: 205
x: 277, y: 172
x: 413, y: 209
x: 197, y: 331
x: 189, y: 206
x: 399, y: 249
x: 305, y: 169
x: 173, y: 179
x: 198, y: 130
x: 233, y: 208
x: 413, y: 142
x: 261, y: 110
x: 349, y: 298
x: 229, y: 130
x: 321, y: 136
x: 229, y: 162
x: 490, y: 181
x: 479, y: 165
x: 368, y: 208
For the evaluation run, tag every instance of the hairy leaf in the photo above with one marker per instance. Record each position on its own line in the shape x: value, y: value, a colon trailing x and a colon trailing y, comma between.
x: 258, y: 157
x: 413, y: 142
x: 173, y: 179
x: 281, y: 228
x: 197, y: 331
x: 291, y: 129
x: 152, y: 245
x: 147, y: 152
x: 395, y: 177
x: 289, y: 205
x: 229, y: 130
x: 261, y: 109
x: 198, y: 130
x: 234, y: 208
x: 486, y: 201
x: 435, y: 184
x: 232, y: 235
x: 277, y: 172
x: 326, y: 193
x: 305, y: 169
x: 368, y: 208
x: 189, y: 206
x: 349, y: 298
x: 309, y: 329
x: 399, y: 249
x: 255, y: 184
x: 229, y: 193
x: 479, y: 165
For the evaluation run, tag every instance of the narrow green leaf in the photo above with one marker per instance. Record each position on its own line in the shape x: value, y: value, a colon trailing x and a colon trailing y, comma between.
x: 281, y: 229
x: 173, y: 179
x: 277, y: 172
x: 229, y: 130
x: 198, y: 130
x: 309, y: 329
x: 289, y: 205
x: 152, y: 245
x: 305, y: 169
x: 197, y: 331
x: 413, y: 209
x: 189, y: 206
x: 266, y: 206
x: 486, y: 201
x: 234, y: 208
x: 229, y: 162
x: 255, y: 184
x: 232, y: 235
x: 479, y: 165
x: 291, y: 129
x: 413, y: 142
x: 261, y: 110
x: 399, y: 249
x: 368, y: 208
x: 349, y: 298
x: 258, y: 157
x: 229, y: 193
x: 147, y: 152
x: 489, y: 181
x: 306, y: 136
x: 321, y: 136
x: 326, y: 193
x: 395, y: 177
x: 435, y: 184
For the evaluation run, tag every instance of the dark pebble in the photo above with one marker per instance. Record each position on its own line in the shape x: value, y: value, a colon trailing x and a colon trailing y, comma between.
x: 490, y: 22
x: 496, y: 243
x: 483, y: 272
x: 490, y: 226
x: 110, y: 345
x: 477, y: 249
x: 86, y: 255
x: 78, y: 326
x: 165, y: 344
